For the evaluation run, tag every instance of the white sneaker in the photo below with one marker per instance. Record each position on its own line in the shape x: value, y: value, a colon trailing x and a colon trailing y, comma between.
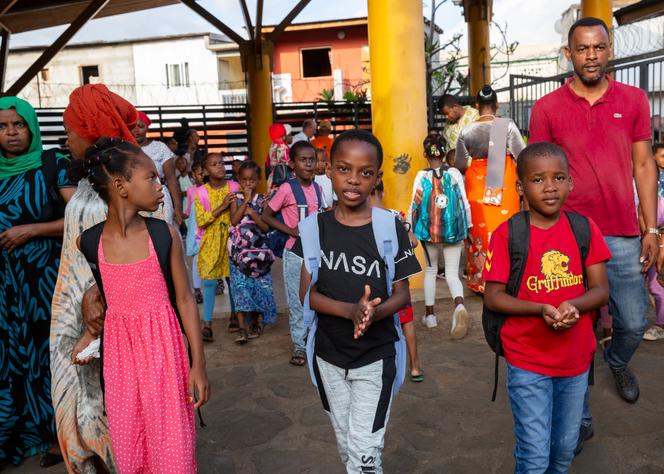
x: 460, y: 321
x: 654, y: 333
x: 430, y: 321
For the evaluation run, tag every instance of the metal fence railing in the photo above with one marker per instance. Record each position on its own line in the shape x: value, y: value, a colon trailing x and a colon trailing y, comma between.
x: 223, y: 128
x: 645, y: 71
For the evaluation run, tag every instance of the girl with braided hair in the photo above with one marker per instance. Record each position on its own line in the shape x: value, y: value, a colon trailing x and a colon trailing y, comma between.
x: 150, y: 391
x: 81, y: 425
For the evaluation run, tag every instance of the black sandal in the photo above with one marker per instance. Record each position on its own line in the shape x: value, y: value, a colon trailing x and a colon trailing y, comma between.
x: 242, y: 337
x: 299, y: 358
x: 233, y: 325
x: 208, y: 335
x: 256, y: 331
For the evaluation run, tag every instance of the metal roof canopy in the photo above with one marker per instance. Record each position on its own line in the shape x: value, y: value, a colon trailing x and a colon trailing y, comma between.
x: 28, y: 15
x: 18, y: 16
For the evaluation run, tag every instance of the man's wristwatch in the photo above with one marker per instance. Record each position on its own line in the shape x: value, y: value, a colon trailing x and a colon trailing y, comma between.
x: 653, y: 230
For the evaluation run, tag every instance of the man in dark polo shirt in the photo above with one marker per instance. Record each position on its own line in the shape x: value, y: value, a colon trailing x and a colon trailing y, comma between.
x: 604, y: 127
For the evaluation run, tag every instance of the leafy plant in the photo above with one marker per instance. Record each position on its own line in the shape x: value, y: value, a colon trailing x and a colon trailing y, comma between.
x: 326, y: 95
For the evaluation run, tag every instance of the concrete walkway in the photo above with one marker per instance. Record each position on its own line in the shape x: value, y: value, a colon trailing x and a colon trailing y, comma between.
x: 265, y: 416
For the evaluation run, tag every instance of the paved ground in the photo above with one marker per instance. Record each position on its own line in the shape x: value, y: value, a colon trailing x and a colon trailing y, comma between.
x: 265, y: 417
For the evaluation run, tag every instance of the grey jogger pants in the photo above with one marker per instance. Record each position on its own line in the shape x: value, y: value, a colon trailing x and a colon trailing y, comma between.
x: 358, y: 403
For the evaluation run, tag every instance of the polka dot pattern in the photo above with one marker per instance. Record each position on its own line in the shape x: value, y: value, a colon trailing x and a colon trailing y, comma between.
x: 146, y: 372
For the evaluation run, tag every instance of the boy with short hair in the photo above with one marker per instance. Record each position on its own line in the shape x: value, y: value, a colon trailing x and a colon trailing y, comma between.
x: 355, y: 359
x: 547, y: 337
x: 302, y: 156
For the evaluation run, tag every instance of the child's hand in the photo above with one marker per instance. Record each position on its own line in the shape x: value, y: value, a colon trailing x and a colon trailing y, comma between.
x: 551, y: 315
x: 295, y: 231
x: 199, y: 388
x: 230, y: 197
x: 569, y: 314
x: 364, y: 312
x: 82, y: 343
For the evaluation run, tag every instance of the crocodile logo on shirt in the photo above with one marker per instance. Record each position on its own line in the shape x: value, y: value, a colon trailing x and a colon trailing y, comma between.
x: 555, y: 268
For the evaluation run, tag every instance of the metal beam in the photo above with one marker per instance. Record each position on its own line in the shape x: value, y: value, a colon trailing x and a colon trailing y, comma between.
x: 247, y: 18
x: 5, y: 5
x: 4, y: 52
x: 287, y: 20
x: 259, y: 24
x: 86, y: 15
x: 214, y: 21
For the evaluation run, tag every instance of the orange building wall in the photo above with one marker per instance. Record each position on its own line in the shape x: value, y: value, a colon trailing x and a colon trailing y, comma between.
x: 346, y: 55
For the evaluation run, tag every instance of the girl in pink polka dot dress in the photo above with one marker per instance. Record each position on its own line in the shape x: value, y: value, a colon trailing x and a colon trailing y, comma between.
x: 150, y: 391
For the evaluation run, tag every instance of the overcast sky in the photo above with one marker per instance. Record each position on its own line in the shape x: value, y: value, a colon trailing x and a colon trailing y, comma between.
x: 529, y: 22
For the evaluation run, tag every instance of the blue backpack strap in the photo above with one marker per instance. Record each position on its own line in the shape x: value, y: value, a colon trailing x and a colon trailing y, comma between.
x: 385, y: 233
x: 319, y: 195
x: 384, y: 226
x: 310, y: 239
x: 300, y: 198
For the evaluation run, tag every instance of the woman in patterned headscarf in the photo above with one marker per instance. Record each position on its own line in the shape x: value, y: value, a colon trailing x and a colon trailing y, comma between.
x: 82, y: 429
x: 33, y: 188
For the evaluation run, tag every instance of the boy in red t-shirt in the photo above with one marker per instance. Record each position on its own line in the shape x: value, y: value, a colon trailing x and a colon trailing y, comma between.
x: 548, y: 337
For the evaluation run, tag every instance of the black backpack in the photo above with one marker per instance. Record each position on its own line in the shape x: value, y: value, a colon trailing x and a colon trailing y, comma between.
x: 161, y: 241
x: 518, y: 245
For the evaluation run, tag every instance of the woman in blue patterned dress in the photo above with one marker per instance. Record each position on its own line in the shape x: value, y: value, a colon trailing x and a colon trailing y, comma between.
x: 33, y: 190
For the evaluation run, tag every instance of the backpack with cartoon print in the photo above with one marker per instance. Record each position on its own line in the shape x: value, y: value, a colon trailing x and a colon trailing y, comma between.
x: 249, y: 245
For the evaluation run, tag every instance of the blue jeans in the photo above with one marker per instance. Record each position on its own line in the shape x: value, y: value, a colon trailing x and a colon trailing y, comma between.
x: 292, y: 268
x: 547, y: 417
x: 627, y: 299
x: 627, y: 304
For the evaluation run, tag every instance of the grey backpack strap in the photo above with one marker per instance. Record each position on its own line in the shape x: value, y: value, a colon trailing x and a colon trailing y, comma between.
x: 384, y: 225
x: 310, y: 240
x: 495, y: 175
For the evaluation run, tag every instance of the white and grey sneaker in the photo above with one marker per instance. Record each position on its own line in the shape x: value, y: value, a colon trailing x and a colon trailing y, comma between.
x: 430, y: 321
x: 654, y: 333
x: 460, y: 322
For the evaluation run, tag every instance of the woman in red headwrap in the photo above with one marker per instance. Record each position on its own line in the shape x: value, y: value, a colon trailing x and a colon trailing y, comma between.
x: 164, y: 160
x: 82, y: 429
x: 278, y: 157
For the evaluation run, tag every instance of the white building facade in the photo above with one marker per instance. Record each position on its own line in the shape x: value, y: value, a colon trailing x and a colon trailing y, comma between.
x: 193, y: 69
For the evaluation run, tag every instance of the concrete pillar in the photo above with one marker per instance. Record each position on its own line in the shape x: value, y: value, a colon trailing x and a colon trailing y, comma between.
x: 478, y: 16
x: 258, y: 68
x: 398, y: 93
x: 602, y: 9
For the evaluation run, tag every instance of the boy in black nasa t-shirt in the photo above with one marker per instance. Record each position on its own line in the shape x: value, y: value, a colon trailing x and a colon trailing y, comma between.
x: 354, y: 346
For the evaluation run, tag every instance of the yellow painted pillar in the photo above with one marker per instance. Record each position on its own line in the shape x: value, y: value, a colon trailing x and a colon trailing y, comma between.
x: 398, y: 94
x: 602, y: 9
x: 478, y: 16
x: 258, y: 69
